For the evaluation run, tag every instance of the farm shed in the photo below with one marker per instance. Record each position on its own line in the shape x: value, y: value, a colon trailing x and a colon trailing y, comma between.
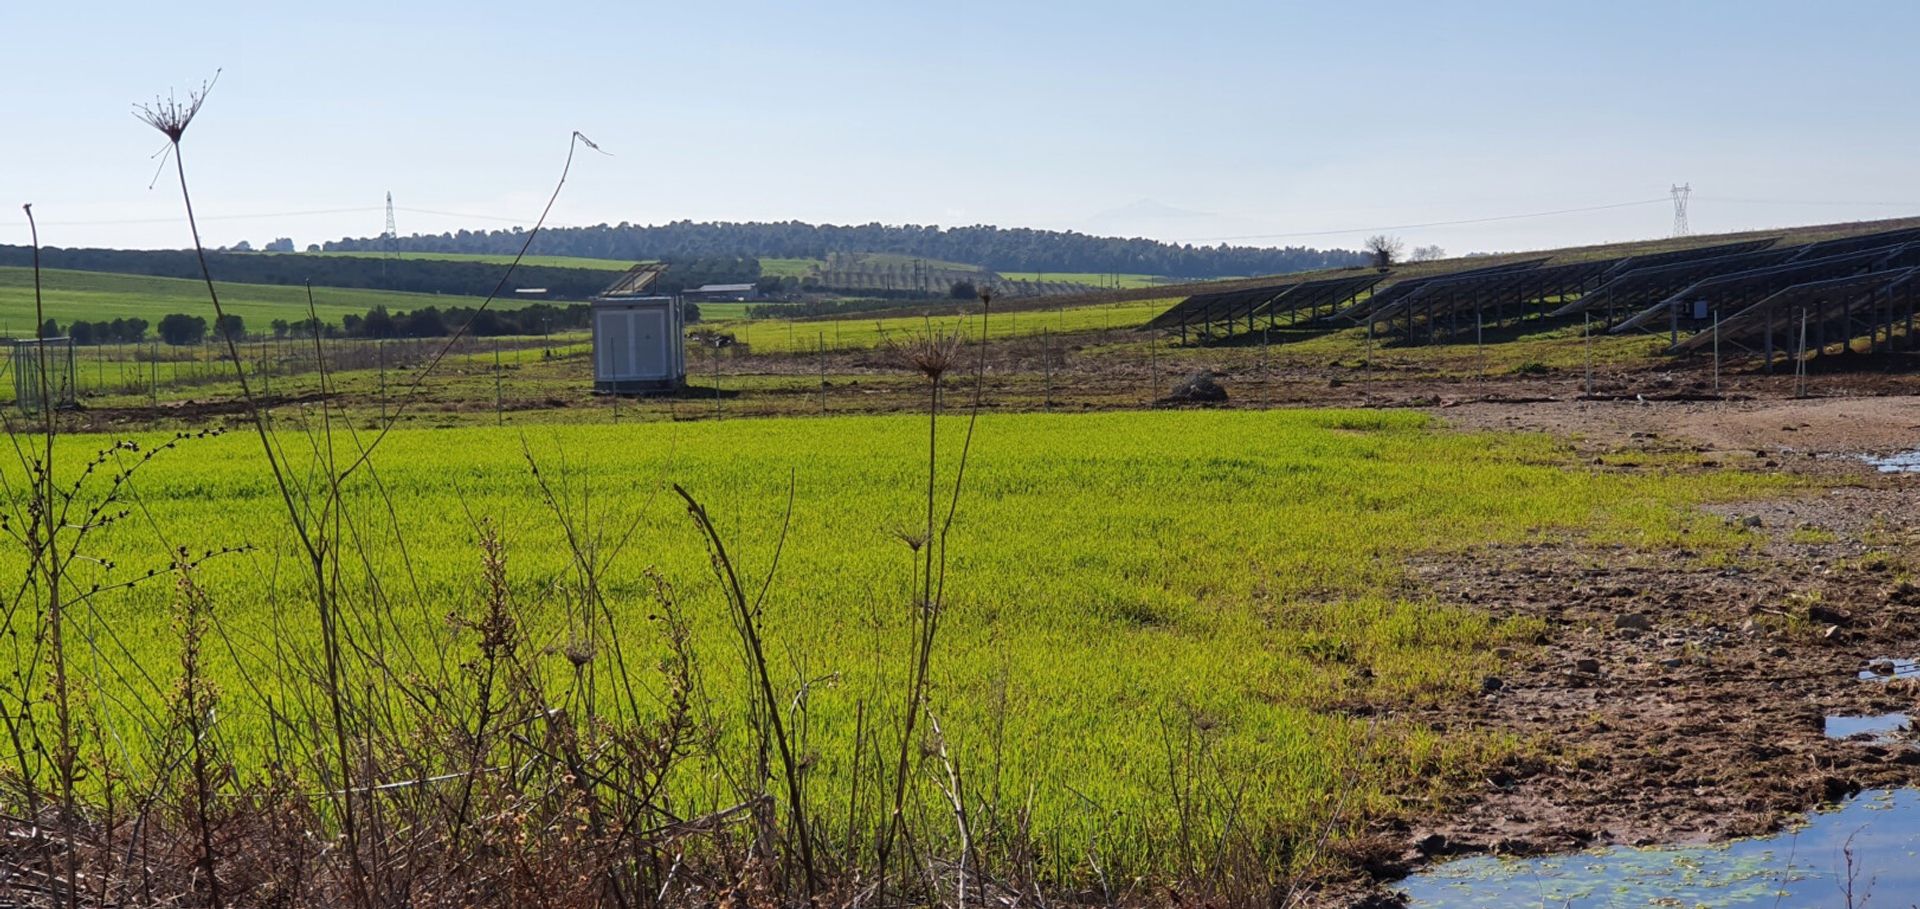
x: 636, y: 336
x: 717, y: 292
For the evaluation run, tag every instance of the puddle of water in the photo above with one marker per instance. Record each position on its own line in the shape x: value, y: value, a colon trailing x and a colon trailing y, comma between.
x: 1884, y: 669
x: 1799, y: 869
x: 1902, y: 462
x: 1881, y: 726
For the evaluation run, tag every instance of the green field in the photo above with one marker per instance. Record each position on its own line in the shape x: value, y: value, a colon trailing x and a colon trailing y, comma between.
x: 1093, y: 279
x: 789, y: 268
x: 857, y: 333
x: 1118, y: 582
x: 98, y: 296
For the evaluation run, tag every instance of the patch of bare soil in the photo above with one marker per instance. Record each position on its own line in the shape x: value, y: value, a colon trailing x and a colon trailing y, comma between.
x: 1676, y: 698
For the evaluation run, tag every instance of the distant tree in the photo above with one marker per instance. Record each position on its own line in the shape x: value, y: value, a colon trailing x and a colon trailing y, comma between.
x: 180, y: 329
x: 1426, y: 254
x: 768, y: 284
x: 378, y: 324
x: 313, y: 247
x: 81, y: 333
x: 279, y: 245
x: 131, y: 331
x: 242, y: 246
x: 963, y: 290
x: 488, y: 324
x: 230, y: 326
x: 280, y: 327
x: 689, y: 312
x: 1384, y: 249
x: 423, y: 323
x: 50, y: 329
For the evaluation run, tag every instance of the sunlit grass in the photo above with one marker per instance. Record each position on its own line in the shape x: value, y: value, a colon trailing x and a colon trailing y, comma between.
x: 1113, y: 575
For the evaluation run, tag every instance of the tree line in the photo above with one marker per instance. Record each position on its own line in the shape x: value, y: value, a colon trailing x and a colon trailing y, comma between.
x: 1001, y: 249
x: 377, y: 272
x: 181, y: 329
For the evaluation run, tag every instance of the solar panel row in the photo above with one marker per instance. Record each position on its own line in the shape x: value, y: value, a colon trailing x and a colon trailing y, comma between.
x: 1745, y: 286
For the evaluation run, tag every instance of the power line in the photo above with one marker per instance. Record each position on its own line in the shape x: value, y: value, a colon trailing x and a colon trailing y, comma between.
x: 1723, y: 199
x: 177, y: 219
x: 1362, y: 230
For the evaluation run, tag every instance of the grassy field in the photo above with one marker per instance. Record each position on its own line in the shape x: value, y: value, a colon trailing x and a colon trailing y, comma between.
x: 1120, y: 583
x: 97, y: 296
x: 789, y: 268
x: 1092, y: 279
x: 867, y: 333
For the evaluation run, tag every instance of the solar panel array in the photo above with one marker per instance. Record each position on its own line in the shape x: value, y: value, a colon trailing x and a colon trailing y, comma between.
x: 1750, y: 288
x: 1726, y: 294
x: 1813, y: 316
x: 1214, y: 315
x: 1360, y: 312
x: 1450, y: 305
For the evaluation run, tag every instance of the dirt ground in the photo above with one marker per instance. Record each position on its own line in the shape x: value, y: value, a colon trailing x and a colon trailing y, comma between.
x: 1682, y: 699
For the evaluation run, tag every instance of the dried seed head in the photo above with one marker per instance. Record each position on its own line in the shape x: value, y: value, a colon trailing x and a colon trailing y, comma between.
x: 930, y: 354
x: 171, y: 116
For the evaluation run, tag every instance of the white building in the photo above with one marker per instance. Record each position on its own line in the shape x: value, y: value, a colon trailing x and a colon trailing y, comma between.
x: 637, y: 344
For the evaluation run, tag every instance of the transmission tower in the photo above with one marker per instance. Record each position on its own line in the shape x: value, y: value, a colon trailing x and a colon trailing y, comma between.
x: 390, y: 240
x: 1680, y: 193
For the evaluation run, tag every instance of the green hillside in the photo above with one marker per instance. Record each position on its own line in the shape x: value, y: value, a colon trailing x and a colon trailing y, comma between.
x: 97, y: 296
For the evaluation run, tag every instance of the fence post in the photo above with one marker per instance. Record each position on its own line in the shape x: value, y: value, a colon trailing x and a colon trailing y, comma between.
x: 1266, y: 376
x: 1716, y: 351
x: 1046, y: 364
x: 1479, y: 341
x: 1800, y: 360
x: 821, y: 358
x: 1588, y: 332
x: 1153, y: 368
x: 499, y: 400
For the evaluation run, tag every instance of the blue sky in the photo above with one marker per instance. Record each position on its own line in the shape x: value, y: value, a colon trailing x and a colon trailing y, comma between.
x: 1280, y: 123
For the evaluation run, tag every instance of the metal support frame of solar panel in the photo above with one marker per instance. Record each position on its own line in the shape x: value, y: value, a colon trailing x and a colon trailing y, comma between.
x: 1310, y: 296
x: 1843, y: 245
x: 1173, y: 314
x: 1360, y: 312
x: 1205, y: 311
x: 1825, y: 312
x: 1451, y: 288
x: 1230, y: 309
x: 1636, y: 289
x: 1739, y: 290
x: 1504, y: 294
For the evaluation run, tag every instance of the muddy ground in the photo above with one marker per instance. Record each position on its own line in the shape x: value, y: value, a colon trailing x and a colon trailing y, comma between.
x: 1674, y: 698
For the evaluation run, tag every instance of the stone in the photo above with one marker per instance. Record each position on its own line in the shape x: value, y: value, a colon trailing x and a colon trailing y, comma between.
x: 1636, y: 621
x: 1199, y: 388
x: 1492, y: 683
x: 1827, y: 615
x: 1587, y: 665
